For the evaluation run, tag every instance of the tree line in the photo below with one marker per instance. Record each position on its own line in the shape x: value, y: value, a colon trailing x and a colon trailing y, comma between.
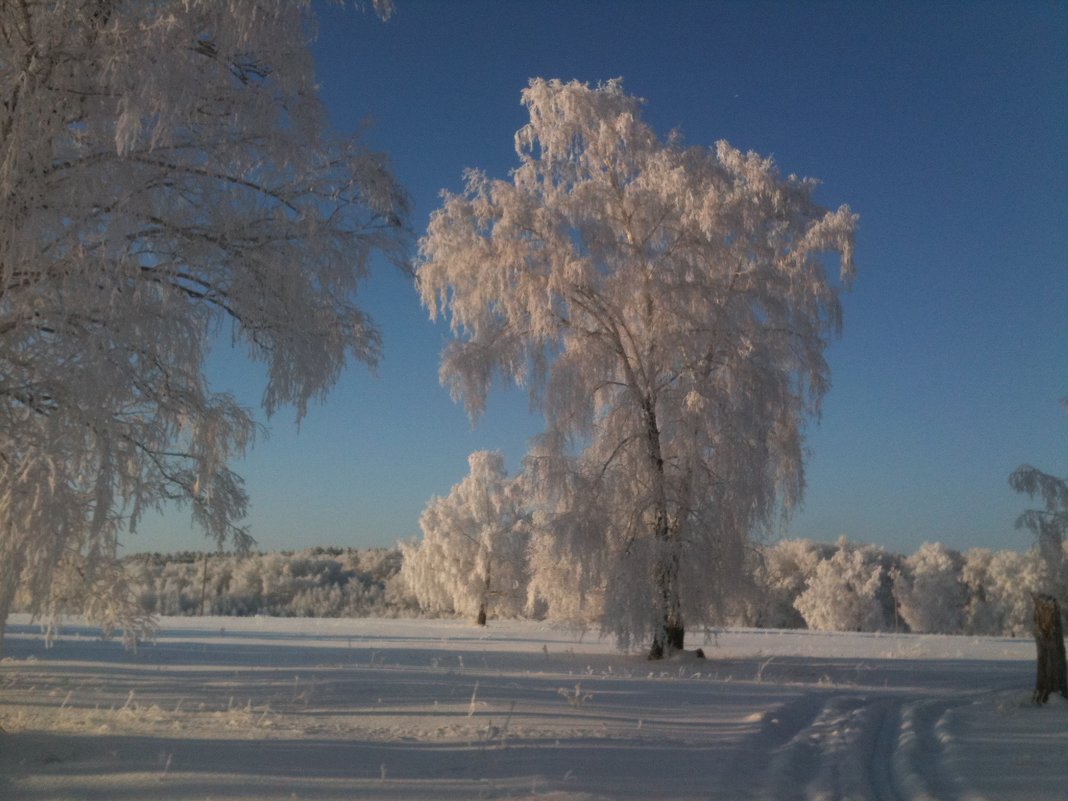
x: 791, y: 584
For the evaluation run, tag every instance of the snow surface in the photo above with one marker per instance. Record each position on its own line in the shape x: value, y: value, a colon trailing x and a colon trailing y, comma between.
x: 259, y: 708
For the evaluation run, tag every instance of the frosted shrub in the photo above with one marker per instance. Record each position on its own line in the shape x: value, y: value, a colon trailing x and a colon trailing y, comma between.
x: 930, y: 591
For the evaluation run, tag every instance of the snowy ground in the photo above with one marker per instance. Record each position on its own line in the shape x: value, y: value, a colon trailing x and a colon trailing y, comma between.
x: 235, y: 709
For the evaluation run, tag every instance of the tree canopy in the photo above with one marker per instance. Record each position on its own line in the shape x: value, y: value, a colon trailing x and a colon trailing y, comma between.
x: 472, y: 558
x: 668, y: 308
x: 166, y: 177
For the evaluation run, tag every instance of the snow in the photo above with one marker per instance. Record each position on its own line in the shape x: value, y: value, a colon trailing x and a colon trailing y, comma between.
x: 266, y: 708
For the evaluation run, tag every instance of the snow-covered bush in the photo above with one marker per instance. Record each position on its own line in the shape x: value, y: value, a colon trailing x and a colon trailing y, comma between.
x: 930, y: 591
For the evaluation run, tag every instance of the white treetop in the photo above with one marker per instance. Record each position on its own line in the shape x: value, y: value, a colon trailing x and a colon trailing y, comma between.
x: 165, y: 169
x: 843, y: 592
x: 668, y: 307
x: 472, y: 558
x: 930, y: 591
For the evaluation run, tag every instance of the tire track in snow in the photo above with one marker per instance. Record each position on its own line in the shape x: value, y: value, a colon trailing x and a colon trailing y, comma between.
x: 823, y: 760
x: 920, y: 757
x: 854, y: 747
x: 884, y: 783
x: 777, y: 728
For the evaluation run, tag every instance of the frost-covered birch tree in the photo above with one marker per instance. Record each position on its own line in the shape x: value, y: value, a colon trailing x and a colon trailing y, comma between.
x: 472, y: 558
x: 668, y: 307
x: 1049, y: 524
x: 166, y: 177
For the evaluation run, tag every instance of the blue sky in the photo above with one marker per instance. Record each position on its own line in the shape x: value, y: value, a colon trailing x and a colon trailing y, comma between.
x: 944, y: 125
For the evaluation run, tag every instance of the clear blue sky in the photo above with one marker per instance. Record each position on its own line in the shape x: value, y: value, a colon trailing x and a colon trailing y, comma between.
x: 944, y: 125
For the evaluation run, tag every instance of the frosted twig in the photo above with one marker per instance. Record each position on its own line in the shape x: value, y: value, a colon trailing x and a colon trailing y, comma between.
x: 575, y: 697
x: 474, y: 697
x: 760, y: 670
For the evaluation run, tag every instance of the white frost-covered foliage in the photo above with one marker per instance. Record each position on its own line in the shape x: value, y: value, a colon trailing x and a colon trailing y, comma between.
x: 1049, y: 524
x: 849, y: 591
x: 316, y: 582
x: 668, y: 307
x: 930, y: 590
x: 1000, y: 588
x: 992, y: 597
x: 472, y: 559
x: 165, y: 175
x: 782, y: 572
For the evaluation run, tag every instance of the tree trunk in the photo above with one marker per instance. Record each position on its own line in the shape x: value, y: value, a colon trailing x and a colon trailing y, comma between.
x: 9, y: 583
x: 1049, y: 637
x: 669, y: 638
x: 670, y: 632
x: 481, y: 619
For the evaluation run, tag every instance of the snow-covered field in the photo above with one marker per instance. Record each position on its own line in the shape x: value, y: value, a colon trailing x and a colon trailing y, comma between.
x: 230, y: 708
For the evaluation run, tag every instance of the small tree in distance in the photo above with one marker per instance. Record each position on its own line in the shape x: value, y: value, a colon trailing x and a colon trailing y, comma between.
x: 166, y: 175
x: 668, y: 308
x: 472, y: 558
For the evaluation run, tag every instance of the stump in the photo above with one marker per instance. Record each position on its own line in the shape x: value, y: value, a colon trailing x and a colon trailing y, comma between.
x: 1049, y: 637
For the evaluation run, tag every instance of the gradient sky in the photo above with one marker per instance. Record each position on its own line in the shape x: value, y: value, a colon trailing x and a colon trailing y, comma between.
x: 945, y: 126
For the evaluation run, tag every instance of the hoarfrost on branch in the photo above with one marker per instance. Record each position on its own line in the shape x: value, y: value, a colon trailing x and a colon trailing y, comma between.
x: 165, y: 171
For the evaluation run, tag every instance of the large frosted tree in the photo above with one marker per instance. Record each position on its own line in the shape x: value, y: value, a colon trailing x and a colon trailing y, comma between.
x: 472, y: 558
x: 166, y: 179
x: 668, y: 307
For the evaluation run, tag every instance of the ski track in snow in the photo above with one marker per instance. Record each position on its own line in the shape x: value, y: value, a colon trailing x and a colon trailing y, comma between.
x: 856, y: 747
x: 374, y: 709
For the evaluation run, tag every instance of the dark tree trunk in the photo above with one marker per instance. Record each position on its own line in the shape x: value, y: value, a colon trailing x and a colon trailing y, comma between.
x: 8, y: 588
x: 669, y: 639
x: 481, y: 619
x: 1049, y: 637
x: 670, y: 632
